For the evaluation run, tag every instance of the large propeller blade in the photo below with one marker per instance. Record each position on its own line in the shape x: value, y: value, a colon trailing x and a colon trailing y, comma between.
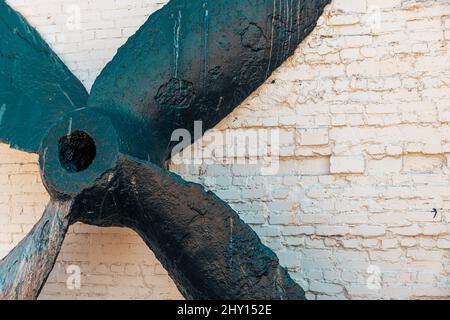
x: 25, y: 269
x: 203, y: 244
x: 36, y: 88
x: 197, y: 60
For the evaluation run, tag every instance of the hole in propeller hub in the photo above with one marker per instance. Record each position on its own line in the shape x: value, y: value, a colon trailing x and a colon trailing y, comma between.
x: 76, y: 151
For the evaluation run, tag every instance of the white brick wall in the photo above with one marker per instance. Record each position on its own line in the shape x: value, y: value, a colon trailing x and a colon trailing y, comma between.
x: 363, y: 113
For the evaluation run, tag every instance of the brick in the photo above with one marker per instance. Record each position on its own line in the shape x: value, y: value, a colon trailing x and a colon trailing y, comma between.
x: 430, y: 291
x: 330, y: 288
x: 381, y: 108
x: 343, y: 20
x: 408, y: 242
x: 369, y: 231
x: 387, y: 165
x: 332, y: 230
x: 435, y: 229
x: 351, y: 243
x: 443, y: 243
x: 297, y: 230
x: 229, y: 194
x: 370, y: 243
x: 424, y: 255
x: 423, y: 164
x: 347, y: 164
x: 366, y: 68
x: 386, y: 255
x: 389, y: 243
x: 5, y: 238
x: 407, y: 231
x: 99, y: 279
x: 396, y: 292
x: 289, y: 259
x: 358, y: 290
x: 313, y: 137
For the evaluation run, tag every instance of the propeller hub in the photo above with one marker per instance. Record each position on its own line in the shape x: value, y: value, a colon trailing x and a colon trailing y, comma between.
x: 77, y: 152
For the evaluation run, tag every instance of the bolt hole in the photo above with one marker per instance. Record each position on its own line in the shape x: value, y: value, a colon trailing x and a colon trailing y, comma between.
x: 77, y: 151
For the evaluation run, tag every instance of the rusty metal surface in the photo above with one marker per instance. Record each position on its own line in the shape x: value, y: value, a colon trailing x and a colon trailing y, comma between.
x: 25, y: 269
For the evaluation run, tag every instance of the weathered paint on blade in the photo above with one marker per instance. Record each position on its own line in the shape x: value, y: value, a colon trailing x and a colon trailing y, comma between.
x: 197, y: 60
x: 36, y: 88
x: 24, y: 271
x: 207, y: 249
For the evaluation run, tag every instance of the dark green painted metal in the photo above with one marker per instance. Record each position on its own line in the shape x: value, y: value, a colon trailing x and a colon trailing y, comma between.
x: 36, y: 88
x: 208, y: 250
x: 196, y: 60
